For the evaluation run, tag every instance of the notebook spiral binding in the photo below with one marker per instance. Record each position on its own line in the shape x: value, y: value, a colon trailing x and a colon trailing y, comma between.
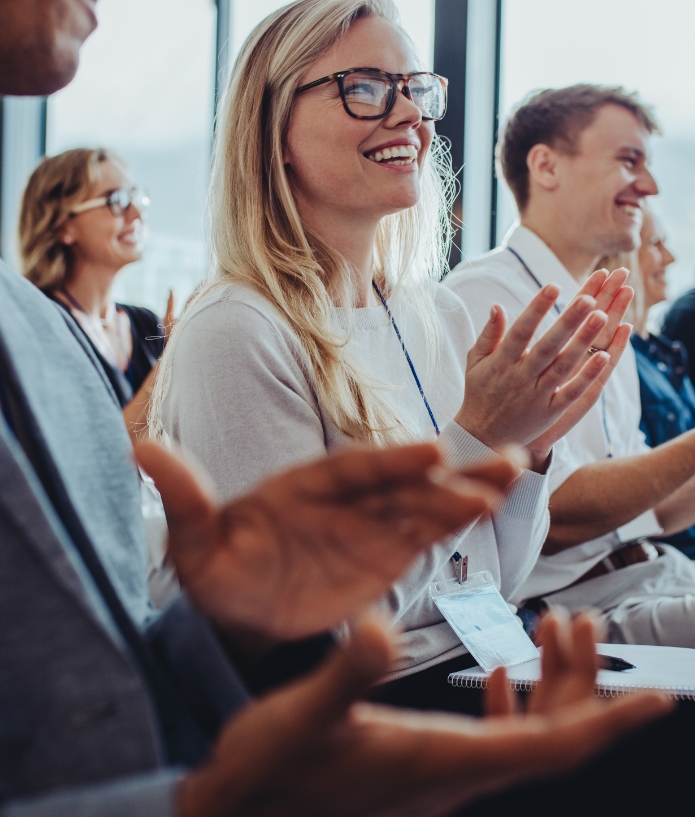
x: 677, y: 693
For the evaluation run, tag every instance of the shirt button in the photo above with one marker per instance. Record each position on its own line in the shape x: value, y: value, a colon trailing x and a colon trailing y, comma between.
x: 661, y: 366
x: 670, y: 416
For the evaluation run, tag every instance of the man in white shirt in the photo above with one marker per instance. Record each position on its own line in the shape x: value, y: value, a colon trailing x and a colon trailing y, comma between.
x: 576, y: 160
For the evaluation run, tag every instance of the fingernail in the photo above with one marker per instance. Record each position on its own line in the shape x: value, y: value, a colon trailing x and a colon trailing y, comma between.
x: 597, y: 320
x: 493, y: 313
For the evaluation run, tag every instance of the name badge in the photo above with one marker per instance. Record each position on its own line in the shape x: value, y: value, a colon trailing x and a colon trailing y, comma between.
x: 480, y: 617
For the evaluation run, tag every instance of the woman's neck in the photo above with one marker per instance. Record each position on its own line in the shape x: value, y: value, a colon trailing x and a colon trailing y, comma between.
x: 91, y: 286
x: 354, y: 239
x: 640, y: 325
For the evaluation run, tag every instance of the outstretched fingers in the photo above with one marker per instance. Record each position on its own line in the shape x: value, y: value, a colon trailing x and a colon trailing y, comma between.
x: 358, y: 470
x: 347, y: 675
x: 554, y: 341
x: 567, y: 394
x: 566, y: 362
x: 490, y: 337
x: 500, y: 699
x: 521, y: 332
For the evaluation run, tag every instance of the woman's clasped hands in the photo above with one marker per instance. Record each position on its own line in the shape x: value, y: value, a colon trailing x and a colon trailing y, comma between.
x: 523, y: 393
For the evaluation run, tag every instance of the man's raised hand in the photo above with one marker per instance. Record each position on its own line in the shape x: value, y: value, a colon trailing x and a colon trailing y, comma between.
x: 311, y: 546
x: 311, y: 749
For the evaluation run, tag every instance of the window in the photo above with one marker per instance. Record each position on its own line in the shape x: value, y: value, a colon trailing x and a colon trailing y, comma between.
x: 550, y: 44
x: 145, y: 88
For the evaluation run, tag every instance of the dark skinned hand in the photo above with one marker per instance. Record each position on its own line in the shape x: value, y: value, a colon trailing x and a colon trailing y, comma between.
x: 310, y: 749
x: 312, y: 546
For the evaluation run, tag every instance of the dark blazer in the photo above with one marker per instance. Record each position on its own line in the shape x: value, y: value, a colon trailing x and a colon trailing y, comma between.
x: 668, y: 403
x: 79, y: 723
x: 147, y: 334
x: 679, y: 324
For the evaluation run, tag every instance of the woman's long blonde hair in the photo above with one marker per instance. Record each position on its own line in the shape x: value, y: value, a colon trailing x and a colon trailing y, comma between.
x: 257, y: 237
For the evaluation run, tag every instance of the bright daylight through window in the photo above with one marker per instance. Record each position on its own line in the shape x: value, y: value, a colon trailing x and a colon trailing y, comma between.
x: 145, y: 88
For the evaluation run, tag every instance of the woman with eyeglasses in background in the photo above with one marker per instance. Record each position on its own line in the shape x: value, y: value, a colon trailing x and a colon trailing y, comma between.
x: 81, y: 222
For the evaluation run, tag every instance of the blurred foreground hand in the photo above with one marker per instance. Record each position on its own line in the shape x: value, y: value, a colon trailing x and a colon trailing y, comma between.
x: 314, y: 545
x: 310, y: 749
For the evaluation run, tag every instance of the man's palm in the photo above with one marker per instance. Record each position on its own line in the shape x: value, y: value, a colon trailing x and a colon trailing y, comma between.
x: 312, y: 546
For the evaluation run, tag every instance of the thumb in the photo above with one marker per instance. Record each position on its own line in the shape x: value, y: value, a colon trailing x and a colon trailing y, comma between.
x: 499, y: 696
x: 491, y: 336
x: 347, y: 675
x: 185, y: 491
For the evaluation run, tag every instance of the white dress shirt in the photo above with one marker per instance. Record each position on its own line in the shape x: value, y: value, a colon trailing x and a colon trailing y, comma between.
x: 611, y: 427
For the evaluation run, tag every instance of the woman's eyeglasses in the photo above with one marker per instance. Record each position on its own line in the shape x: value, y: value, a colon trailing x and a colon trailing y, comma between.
x: 369, y: 93
x: 117, y: 202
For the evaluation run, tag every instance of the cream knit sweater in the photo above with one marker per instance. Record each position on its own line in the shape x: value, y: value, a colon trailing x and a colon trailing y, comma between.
x: 242, y: 401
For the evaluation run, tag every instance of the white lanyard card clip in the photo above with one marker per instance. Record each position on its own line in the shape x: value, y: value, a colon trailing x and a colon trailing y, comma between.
x: 480, y: 617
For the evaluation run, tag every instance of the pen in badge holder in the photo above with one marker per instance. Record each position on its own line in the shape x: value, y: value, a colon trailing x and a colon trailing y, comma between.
x: 614, y: 664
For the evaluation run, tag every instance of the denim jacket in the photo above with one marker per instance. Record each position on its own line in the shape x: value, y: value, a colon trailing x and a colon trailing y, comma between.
x: 668, y: 401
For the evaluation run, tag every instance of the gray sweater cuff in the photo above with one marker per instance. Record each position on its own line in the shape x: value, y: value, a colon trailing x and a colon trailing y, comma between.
x: 524, y: 495
x: 461, y: 449
x: 148, y: 795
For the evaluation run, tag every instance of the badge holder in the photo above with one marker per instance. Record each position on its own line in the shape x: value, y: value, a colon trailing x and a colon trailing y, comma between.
x: 480, y: 617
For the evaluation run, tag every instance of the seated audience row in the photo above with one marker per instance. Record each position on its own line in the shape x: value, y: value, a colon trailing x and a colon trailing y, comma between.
x: 328, y: 240
x: 576, y: 160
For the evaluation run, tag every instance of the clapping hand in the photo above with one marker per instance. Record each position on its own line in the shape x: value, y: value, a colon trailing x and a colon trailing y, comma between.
x: 311, y: 749
x: 313, y: 545
x: 523, y: 394
x: 613, y: 298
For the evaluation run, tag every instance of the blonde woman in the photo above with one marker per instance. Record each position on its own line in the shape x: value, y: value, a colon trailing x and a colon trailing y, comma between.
x: 323, y: 322
x: 666, y: 391
x: 81, y: 222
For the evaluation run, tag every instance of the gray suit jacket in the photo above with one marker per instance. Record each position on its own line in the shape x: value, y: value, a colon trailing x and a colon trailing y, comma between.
x: 78, y: 730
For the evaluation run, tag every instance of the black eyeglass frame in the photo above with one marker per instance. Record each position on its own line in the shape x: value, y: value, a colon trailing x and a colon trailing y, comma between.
x: 395, y: 79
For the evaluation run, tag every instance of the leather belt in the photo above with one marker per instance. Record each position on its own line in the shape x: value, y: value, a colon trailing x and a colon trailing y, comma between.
x: 631, y: 553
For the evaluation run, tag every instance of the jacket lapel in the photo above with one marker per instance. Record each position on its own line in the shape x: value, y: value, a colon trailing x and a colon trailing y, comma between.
x: 25, y: 506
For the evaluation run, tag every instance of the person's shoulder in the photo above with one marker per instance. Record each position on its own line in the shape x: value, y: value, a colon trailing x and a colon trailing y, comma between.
x: 491, y: 267
x: 681, y: 313
x: 686, y: 300
x: 493, y: 277
x: 447, y: 299
x: 234, y: 314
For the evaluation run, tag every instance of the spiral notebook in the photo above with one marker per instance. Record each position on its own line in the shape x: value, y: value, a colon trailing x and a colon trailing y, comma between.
x: 668, y: 669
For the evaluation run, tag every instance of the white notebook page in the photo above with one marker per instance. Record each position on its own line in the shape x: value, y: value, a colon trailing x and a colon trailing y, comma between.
x: 670, y: 669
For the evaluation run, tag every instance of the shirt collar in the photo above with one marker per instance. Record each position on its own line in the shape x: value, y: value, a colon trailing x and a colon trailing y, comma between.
x: 542, y: 261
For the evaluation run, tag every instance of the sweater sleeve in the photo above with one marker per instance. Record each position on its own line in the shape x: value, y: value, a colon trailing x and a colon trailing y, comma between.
x: 150, y: 795
x: 239, y: 399
x: 520, y: 523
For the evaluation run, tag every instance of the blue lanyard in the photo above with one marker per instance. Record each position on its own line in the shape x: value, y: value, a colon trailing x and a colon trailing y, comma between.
x: 558, y: 310
x: 407, y: 357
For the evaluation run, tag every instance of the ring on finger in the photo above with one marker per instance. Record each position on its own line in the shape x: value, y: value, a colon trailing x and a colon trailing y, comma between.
x: 592, y: 350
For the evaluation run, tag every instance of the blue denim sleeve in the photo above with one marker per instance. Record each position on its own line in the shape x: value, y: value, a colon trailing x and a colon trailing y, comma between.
x: 149, y: 795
